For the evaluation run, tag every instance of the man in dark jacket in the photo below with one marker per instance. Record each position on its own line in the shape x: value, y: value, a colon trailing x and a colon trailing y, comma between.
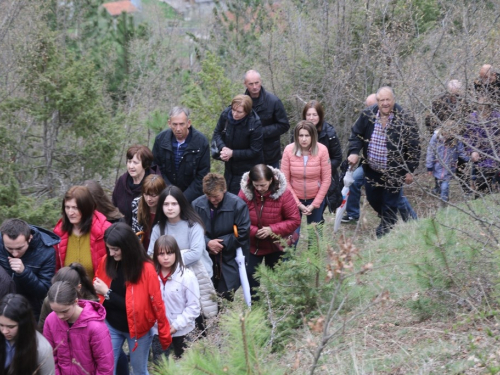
x: 389, y: 139
x: 488, y: 83
x: 27, y: 254
x: 272, y: 116
x: 450, y: 105
x: 227, y: 227
x: 182, y: 153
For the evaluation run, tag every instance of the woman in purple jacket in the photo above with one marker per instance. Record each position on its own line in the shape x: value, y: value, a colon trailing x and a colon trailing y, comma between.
x: 77, y: 332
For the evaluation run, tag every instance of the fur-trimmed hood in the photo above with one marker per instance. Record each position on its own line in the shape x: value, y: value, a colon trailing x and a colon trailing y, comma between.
x: 278, y: 175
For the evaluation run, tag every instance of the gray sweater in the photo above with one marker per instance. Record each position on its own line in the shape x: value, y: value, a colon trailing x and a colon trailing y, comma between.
x: 191, y: 238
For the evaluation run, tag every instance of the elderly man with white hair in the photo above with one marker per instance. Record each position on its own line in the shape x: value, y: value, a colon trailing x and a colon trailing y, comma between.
x: 448, y: 106
x: 389, y: 141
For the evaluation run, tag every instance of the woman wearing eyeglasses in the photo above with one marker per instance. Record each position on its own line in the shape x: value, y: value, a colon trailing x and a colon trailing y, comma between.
x: 144, y: 207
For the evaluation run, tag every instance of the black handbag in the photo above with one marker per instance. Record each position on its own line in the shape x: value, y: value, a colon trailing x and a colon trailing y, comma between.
x: 214, y: 150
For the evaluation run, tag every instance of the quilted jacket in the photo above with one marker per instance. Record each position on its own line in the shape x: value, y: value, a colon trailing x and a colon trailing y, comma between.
x: 86, y: 345
x: 97, y: 245
x: 279, y: 212
x: 307, y: 181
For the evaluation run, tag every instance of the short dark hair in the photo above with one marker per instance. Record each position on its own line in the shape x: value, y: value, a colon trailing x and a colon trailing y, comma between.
x: 86, y: 205
x: 143, y: 153
x: 133, y: 255
x: 13, y: 228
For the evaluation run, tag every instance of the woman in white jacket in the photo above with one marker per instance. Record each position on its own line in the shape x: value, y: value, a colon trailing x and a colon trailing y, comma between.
x: 180, y: 292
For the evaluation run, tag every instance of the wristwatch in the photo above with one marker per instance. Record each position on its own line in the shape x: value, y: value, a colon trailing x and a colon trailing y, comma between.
x: 106, y: 296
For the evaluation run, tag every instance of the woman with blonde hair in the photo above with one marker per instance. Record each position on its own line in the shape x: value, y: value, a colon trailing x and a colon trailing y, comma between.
x: 238, y: 140
x: 306, y: 166
x: 144, y: 207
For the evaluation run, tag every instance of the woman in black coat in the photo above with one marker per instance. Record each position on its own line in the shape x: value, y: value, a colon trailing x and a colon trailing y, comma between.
x: 239, y: 140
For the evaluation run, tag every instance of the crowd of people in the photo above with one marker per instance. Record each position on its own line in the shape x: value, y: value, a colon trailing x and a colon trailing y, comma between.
x: 145, y: 266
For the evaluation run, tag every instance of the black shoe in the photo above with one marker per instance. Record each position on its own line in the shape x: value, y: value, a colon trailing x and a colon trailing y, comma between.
x: 348, y: 219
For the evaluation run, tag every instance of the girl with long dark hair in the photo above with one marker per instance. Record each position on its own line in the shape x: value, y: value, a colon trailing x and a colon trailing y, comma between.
x: 23, y: 350
x: 128, y: 287
x: 176, y: 217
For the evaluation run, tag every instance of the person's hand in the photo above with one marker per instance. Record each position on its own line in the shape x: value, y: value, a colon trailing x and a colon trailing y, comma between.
x: 100, y: 286
x: 474, y: 156
x: 305, y: 209
x: 353, y: 159
x: 16, y: 265
x: 172, y: 330
x: 408, y: 178
x: 310, y: 209
x: 226, y: 154
x: 264, y: 232
x: 215, y: 246
x: 429, y: 173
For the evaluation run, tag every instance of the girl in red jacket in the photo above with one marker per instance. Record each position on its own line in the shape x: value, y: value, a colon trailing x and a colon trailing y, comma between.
x: 77, y: 332
x: 81, y: 229
x: 128, y: 287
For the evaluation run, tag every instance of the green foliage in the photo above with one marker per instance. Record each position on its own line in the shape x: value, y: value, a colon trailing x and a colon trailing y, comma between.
x: 157, y: 121
x: 42, y: 212
x: 243, y: 350
x: 65, y: 113
x: 297, y: 288
x: 451, y: 271
x: 208, y: 93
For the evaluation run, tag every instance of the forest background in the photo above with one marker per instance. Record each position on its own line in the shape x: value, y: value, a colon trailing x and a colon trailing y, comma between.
x: 78, y: 87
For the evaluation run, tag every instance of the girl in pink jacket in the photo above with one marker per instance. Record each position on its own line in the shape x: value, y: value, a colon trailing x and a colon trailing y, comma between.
x: 306, y: 166
x: 77, y: 332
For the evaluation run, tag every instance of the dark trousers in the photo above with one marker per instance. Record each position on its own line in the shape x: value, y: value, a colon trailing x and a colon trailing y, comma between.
x: 178, y: 345
x: 383, y: 196
x: 253, y: 262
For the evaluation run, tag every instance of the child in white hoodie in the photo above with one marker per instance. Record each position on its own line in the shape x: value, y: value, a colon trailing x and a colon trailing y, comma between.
x: 180, y: 292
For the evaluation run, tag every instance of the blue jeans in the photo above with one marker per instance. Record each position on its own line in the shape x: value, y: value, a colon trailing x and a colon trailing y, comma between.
x: 405, y: 209
x: 139, y: 357
x: 444, y: 187
x: 352, y: 205
x: 315, y: 217
x: 317, y: 214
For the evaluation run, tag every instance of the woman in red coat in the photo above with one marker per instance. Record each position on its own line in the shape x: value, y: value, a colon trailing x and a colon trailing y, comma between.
x: 81, y: 229
x: 273, y: 215
x: 128, y: 287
